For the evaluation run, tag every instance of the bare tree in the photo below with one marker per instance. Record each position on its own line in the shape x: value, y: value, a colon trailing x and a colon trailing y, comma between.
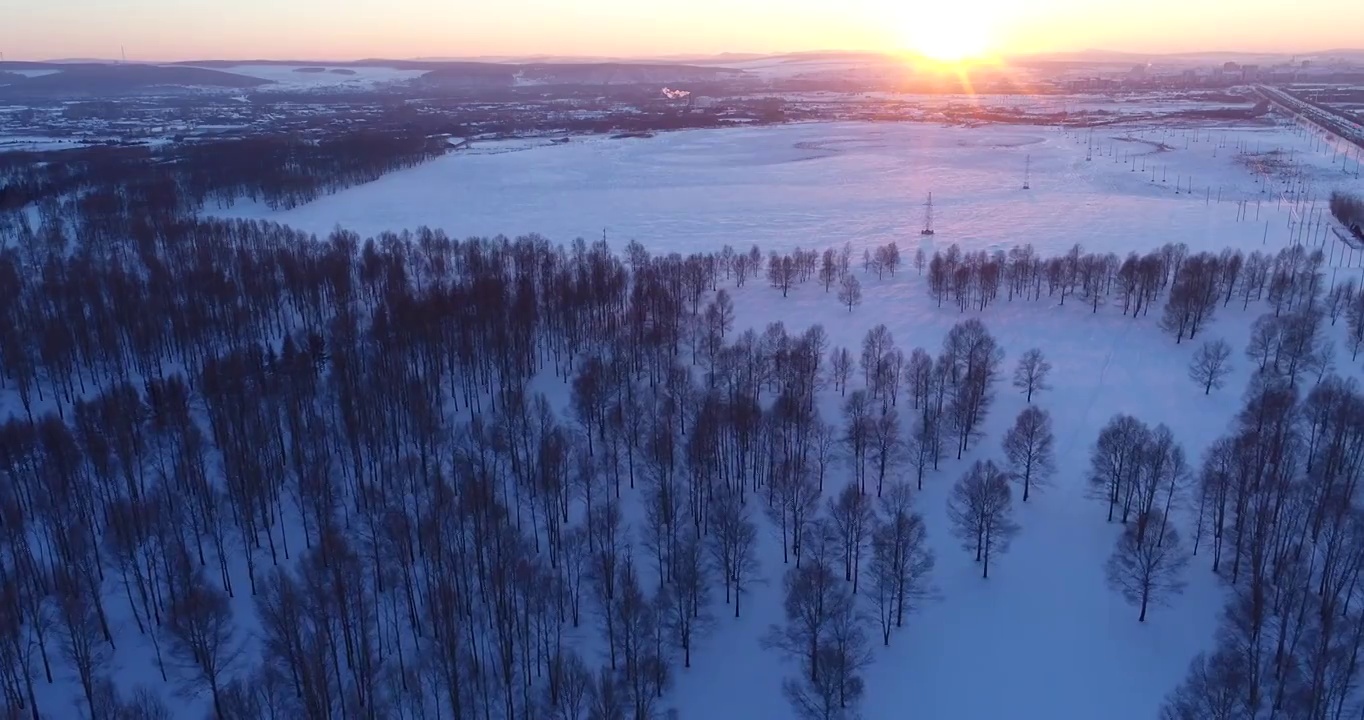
x: 901, y: 560
x: 1193, y: 296
x: 889, y: 255
x: 840, y: 366
x: 1265, y: 335
x: 781, y: 272
x: 1215, y: 689
x: 858, y: 427
x: 643, y: 667
x: 1355, y: 315
x: 826, y: 445
x: 1339, y: 298
x: 853, y: 518
x: 875, y: 348
x: 1301, y: 346
x: 828, y: 269
x: 688, y: 613
x: 971, y: 359
x: 924, y: 448
x: 79, y: 638
x: 981, y: 510
x: 875, y: 345
x: 1147, y: 570
x: 733, y: 543
x: 574, y: 690
x: 607, y: 697
x: 813, y: 591
x: 204, y: 638
x: 1116, y: 461
x: 1030, y: 375
x: 1028, y: 446
x: 789, y: 488
x: 1211, y: 364
x: 824, y: 633
x: 850, y: 292
x: 887, y: 449
x: 145, y: 704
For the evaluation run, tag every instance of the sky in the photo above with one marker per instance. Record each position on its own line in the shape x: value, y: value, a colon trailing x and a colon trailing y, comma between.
x: 151, y: 30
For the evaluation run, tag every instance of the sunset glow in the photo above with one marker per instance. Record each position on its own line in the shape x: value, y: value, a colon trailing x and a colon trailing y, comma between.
x: 948, y: 34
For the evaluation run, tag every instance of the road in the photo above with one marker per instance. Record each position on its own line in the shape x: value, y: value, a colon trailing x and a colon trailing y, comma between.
x: 1328, y: 119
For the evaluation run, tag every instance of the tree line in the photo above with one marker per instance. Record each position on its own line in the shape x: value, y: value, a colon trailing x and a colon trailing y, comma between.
x: 1193, y: 286
x: 118, y: 183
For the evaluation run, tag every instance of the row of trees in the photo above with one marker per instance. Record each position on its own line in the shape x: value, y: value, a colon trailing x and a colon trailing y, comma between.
x: 1291, y: 280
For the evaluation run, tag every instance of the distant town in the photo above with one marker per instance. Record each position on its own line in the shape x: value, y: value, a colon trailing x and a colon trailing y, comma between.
x: 62, y: 105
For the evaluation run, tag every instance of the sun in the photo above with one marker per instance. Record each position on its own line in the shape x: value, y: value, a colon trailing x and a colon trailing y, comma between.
x: 948, y: 33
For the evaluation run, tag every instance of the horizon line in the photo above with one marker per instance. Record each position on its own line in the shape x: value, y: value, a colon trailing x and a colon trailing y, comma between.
x: 677, y: 57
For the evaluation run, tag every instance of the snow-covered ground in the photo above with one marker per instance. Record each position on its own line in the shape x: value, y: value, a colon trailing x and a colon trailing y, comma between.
x: 817, y: 185
x: 1044, y: 637
x: 40, y: 142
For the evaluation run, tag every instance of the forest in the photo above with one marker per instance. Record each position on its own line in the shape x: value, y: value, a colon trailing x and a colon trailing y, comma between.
x: 416, y: 477
x: 123, y: 184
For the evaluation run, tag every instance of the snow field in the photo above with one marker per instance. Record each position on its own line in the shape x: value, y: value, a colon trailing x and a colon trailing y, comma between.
x: 820, y: 185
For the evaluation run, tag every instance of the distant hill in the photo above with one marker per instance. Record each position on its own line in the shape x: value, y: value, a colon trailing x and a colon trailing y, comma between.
x: 1211, y: 56
x: 621, y: 73
x: 83, y: 61
x: 302, y: 63
x: 104, y: 80
x: 88, y: 80
x: 472, y: 74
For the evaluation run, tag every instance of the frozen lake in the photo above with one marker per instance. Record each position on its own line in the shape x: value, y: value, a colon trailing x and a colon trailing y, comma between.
x: 824, y: 184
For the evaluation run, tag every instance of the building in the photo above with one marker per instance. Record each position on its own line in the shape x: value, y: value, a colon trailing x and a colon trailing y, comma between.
x: 1092, y: 84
